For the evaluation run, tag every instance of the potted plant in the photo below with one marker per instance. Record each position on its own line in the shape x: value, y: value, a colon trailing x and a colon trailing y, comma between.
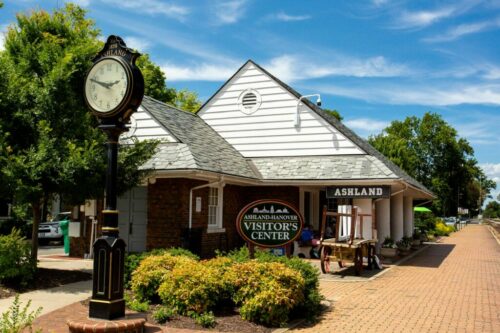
x: 389, y: 248
x: 404, y: 245
x: 416, y: 239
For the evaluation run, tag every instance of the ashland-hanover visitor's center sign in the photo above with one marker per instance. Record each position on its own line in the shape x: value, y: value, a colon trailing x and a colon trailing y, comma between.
x: 269, y: 223
x: 342, y: 192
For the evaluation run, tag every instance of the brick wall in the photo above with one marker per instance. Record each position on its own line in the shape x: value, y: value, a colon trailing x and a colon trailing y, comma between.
x: 168, y: 212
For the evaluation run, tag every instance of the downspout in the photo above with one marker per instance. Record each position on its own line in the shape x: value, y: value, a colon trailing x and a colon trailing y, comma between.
x: 220, y: 182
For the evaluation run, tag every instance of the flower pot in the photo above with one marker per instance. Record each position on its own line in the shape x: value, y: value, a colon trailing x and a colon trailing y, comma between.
x: 404, y: 250
x: 388, y: 252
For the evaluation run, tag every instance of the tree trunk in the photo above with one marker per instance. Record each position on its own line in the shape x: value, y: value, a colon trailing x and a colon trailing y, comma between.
x: 37, y: 213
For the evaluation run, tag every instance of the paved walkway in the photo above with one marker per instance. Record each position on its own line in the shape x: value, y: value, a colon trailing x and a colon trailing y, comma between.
x: 55, y: 298
x: 449, y: 287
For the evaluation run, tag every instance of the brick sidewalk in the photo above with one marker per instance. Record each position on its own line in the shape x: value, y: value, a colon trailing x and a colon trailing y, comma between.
x: 449, y: 287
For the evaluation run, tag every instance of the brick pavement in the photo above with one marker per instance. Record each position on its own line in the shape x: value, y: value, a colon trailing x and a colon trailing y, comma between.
x: 449, y: 287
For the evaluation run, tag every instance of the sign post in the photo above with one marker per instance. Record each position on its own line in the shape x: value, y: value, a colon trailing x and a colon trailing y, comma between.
x: 269, y: 223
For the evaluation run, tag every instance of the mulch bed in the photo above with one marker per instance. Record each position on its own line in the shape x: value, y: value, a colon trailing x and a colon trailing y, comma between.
x: 44, y: 278
x: 226, y: 320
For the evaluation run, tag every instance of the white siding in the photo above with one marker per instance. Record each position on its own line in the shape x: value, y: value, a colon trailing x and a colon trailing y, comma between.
x: 270, y: 130
x: 143, y: 126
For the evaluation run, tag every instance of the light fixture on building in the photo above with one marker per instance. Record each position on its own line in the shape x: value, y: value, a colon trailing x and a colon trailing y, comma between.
x: 297, y: 116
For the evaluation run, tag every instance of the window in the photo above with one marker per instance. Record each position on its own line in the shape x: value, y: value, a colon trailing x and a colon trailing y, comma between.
x: 215, y: 201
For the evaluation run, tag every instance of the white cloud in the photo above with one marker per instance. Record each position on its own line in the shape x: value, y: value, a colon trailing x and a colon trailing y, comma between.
x: 488, y: 94
x: 228, y: 12
x: 379, y: 3
x: 3, y: 31
x: 479, y: 132
x: 202, y: 72
x: 137, y: 43
x: 366, y: 126
x: 81, y: 3
x: 282, y: 16
x: 152, y: 7
x: 291, y: 68
x: 463, y: 30
x: 420, y: 19
x: 173, y: 39
x: 492, y: 171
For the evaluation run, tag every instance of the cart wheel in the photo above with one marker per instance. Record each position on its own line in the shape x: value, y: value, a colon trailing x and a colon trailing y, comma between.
x: 325, y: 259
x: 358, y: 261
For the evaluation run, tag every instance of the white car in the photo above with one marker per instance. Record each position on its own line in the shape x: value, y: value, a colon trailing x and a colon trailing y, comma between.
x: 50, y: 231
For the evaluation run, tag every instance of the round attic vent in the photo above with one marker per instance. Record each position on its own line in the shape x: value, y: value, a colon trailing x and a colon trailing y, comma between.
x: 249, y: 101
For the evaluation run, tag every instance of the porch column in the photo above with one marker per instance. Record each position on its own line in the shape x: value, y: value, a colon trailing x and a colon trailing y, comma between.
x: 383, y: 213
x: 408, y: 216
x: 397, y: 217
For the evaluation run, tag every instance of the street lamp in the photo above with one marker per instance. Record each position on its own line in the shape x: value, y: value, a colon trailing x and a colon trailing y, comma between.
x: 297, y: 115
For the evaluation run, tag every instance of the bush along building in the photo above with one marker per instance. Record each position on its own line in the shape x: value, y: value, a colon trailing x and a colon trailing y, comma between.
x: 255, y: 138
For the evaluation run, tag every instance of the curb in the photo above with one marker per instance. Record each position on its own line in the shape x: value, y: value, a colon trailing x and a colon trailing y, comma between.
x: 490, y: 228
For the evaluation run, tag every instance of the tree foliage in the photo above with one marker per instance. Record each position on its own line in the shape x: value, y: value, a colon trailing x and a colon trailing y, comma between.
x: 430, y: 150
x: 334, y: 113
x: 492, y: 209
x: 154, y: 81
x: 187, y: 100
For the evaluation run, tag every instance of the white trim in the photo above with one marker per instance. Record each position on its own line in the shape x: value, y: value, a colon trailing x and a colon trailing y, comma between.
x: 214, y: 230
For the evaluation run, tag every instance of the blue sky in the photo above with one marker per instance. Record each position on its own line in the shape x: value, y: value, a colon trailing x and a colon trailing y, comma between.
x: 374, y: 61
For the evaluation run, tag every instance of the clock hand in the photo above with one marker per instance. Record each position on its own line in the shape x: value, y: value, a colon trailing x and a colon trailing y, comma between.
x: 104, y: 84
x: 113, y: 83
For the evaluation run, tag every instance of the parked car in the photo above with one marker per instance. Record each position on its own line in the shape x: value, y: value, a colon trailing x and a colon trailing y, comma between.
x: 50, y: 231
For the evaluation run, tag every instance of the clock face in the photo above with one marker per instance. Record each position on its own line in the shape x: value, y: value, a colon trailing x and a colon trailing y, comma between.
x: 106, y: 85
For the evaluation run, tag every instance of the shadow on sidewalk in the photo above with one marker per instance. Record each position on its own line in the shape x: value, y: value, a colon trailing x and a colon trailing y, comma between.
x: 432, y: 257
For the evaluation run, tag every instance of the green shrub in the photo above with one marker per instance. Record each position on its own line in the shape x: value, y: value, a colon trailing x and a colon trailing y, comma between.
x: 163, y: 314
x: 135, y: 304
x: 266, y: 291
x: 16, y: 319
x: 15, y: 258
x: 312, y: 297
x: 206, y: 320
x: 133, y: 260
x: 148, y: 276
x: 191, y: 287
x: 442, y: 229
x: 179, y: 251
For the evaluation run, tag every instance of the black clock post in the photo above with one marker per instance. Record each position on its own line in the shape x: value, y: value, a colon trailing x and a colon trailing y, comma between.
x: 114, y: 89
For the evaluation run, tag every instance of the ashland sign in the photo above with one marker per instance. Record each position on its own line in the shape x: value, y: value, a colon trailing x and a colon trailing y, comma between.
x: 269, y: 223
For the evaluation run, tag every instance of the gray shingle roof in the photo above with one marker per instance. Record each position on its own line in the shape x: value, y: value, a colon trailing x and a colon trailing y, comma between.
x: 200, y: 146
x: 323, y: 167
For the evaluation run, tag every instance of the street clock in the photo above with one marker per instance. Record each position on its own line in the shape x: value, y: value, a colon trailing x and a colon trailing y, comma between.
x: 114, y: 86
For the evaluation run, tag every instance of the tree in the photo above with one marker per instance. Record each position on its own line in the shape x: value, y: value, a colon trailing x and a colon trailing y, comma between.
x: 154, y: 81
x: 50, y: 143
x: 334, y: 113
x: 187, y: 101
x: 429, y: 150
x: 492, y: 210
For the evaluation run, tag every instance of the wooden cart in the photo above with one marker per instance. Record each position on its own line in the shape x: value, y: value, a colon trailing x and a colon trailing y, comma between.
x: 348, y: 245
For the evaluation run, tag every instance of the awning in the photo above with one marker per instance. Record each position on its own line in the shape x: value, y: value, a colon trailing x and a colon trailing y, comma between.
x: 422, y: 209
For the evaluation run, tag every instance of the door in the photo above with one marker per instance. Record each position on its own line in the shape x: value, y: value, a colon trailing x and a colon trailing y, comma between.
x: 133, y: 217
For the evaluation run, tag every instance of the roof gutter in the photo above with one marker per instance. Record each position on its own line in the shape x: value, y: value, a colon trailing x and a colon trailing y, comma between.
x: 220, y: 182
